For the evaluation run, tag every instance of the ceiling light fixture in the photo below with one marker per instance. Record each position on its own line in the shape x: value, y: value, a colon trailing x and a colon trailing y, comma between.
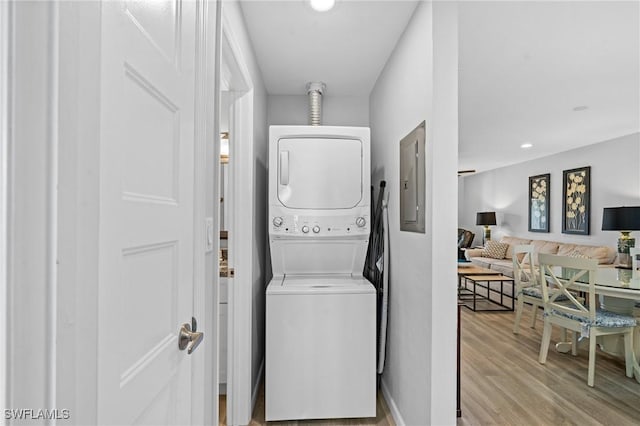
x: 581, y: 108
x: 322, y: 5
x: 526, y: 145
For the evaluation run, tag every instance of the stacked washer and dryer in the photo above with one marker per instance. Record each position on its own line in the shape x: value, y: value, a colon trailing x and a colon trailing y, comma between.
x: 320, y: 310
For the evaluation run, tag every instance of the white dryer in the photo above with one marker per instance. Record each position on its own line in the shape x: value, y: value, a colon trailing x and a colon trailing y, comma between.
x: 320, y: 311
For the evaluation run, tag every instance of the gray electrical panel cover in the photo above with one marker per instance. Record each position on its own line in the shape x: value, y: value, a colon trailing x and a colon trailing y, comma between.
x: 412, y: 180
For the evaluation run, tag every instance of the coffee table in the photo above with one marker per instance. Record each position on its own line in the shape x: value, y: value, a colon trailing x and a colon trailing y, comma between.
x: 471, y: 269
x: 484, y: 281
x: 475, y: 270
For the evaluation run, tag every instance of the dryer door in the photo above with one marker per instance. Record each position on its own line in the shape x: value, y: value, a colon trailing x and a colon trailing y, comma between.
x: 320, y: 173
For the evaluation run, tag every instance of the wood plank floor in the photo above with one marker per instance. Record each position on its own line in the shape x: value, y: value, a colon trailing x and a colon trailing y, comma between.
x: 503, y: 383
x: 383, y: 417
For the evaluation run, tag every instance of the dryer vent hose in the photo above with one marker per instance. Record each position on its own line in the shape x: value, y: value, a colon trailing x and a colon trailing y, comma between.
x: 314, y: 91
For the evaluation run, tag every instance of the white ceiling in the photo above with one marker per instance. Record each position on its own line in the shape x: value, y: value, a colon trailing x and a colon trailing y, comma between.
x: 346, y: 47
x: 524, y: 66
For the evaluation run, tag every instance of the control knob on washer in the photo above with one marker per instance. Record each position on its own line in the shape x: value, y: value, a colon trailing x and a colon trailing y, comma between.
x: 361, y: 221
x: 316, y: 229
x: 277, y: 221
x: 305, y: 229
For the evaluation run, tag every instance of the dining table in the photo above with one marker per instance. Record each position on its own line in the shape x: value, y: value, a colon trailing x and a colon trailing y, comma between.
x: 619, y: 291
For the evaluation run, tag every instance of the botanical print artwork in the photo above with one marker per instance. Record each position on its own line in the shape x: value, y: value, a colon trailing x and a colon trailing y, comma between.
x: 539, y: 189
x: 576, y: 208
x: 576, y: 201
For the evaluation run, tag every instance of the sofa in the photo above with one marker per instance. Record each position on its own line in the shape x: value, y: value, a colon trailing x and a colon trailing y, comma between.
x: 502, y: 259
x: 604, y: 254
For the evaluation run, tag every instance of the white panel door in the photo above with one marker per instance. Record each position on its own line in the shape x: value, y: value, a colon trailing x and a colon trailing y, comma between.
x: 146, y: 211
x: 316, y: 173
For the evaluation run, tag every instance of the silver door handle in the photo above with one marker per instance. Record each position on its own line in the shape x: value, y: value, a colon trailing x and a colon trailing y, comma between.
x: 188, y: 339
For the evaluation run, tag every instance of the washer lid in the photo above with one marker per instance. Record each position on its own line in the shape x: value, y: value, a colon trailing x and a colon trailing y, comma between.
x: 323, y: 281
x: 327, y: 284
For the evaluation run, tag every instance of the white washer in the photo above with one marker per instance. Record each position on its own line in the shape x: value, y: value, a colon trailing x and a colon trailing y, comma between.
x: 320, y: 348
x: 320, y: 311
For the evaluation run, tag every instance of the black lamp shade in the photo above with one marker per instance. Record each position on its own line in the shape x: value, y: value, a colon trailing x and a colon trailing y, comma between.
x: 486, y: 218
x: 620, y: 219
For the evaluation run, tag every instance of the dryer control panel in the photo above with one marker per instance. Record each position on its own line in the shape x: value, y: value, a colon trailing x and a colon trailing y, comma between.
x: 319, y: 226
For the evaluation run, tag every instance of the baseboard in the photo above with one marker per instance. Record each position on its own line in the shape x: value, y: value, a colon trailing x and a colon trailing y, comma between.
x: 395, y: 413
x: 256, y: 386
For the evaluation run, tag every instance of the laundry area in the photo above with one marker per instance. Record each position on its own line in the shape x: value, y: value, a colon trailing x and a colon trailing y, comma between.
x: 320, y: 311
x: 328, y: 184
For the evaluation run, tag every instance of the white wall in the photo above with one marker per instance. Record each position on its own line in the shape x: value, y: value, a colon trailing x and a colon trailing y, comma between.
x: 259, y: 274
x: 336, y: 110
x: 419, y: 82
x: 444, y: 161
x: 615, y: 181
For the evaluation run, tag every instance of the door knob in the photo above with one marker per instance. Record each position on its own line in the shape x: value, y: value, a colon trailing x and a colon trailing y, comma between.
x: 188, y: 339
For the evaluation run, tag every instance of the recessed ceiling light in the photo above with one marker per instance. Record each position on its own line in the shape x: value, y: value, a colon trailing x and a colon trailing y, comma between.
x: 580, y: 108
x: 322, y: 5
x: 526, y: 145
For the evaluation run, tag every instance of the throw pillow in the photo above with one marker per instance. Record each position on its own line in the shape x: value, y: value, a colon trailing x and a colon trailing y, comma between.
x: 578, y: 254
x: 495, y: 250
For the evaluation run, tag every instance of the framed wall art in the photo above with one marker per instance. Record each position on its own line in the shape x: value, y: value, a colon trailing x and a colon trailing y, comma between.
x: 539, y: 196
x: 576, y: 188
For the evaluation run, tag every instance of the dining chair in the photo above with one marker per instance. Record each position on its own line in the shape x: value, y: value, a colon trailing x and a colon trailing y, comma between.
x: 558, y: 276
x: 634, y: 252
x: 527, y: 285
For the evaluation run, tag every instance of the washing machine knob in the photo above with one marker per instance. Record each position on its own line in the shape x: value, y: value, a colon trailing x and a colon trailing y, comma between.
x: 361, y: 221
x: 277, y: 221
x: 305, y: 229
x: 316, y: 229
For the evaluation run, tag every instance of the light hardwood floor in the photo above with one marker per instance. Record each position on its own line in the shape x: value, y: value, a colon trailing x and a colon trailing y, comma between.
x: 383, y: 417
x: 503, y: 383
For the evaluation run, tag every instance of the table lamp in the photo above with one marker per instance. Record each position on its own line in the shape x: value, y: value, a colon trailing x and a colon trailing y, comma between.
x: 486, y: 219
x: 625, y: 220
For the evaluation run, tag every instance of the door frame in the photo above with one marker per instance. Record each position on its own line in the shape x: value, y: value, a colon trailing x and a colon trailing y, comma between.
x: 240, y: 394
x: 203, y: 372
x: 6, y: 39
x: 29, y: 143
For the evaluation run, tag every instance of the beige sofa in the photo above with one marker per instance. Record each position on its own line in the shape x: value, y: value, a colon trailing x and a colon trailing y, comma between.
x: 604, y: 254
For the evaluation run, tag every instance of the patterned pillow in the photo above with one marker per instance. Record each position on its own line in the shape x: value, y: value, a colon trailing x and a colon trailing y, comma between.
x: 495, y: 250
x: 578, y: 254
